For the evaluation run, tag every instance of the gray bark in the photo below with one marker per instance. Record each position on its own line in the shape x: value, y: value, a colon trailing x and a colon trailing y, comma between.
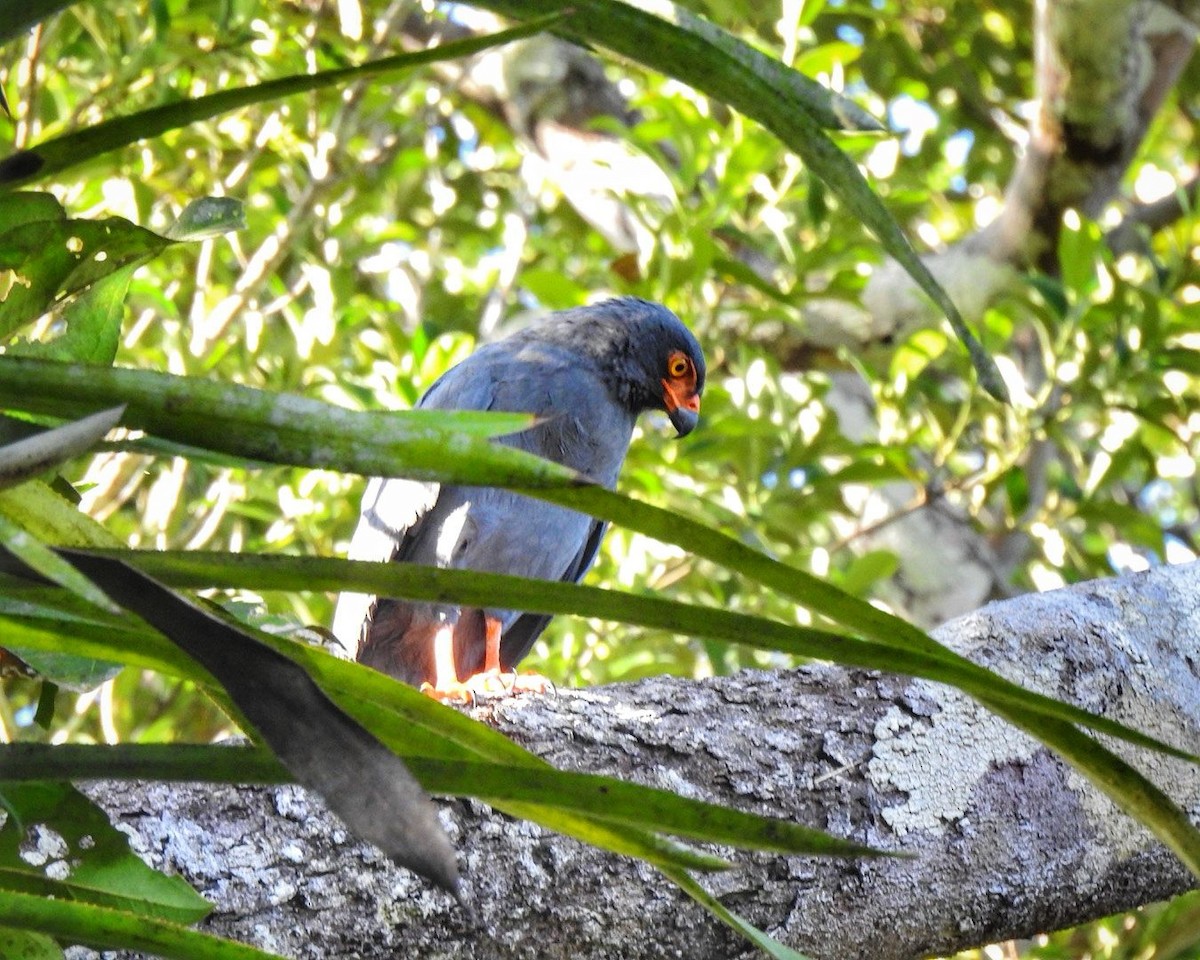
x: 1008, y: 840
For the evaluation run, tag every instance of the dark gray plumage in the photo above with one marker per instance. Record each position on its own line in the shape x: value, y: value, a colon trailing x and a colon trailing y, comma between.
x: 587, y: 373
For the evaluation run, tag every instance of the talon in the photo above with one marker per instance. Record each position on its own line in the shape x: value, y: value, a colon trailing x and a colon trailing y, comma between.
x: 455, y: 692
x: 487, y: 685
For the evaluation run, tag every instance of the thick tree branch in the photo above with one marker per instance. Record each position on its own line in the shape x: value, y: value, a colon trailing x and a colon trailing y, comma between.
x: 1008, y: 839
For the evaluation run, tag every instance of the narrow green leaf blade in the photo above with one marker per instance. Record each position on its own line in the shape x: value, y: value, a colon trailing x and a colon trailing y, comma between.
x: 1123, y: 784
x: 74, y: 148
x: 284, y: 428
x: 95, y: 857
x: 765, y: 942
x: 36, y: 508
x: 671, y: 39
x: 473, y: 588
x: 36, y: 555
x: 605, y: 798
x: 103, y: 927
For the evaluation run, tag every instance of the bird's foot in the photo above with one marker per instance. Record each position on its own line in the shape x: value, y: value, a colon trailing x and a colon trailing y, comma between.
x: 528, y: 682
x: 455, y: 692
x: 488, y: 684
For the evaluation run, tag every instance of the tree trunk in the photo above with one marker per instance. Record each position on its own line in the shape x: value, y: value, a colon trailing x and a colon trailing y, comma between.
x: 1009, y: 841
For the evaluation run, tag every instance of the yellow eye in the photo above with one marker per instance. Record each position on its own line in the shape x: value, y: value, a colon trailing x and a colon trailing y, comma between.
x: 678, y: 365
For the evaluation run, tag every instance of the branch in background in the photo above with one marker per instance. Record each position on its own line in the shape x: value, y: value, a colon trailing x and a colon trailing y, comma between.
x: 1144, y: 219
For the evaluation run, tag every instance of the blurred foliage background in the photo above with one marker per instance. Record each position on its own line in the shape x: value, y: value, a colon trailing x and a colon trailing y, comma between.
x: 393, y: 224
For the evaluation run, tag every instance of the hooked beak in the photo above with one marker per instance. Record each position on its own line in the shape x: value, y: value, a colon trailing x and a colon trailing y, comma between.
x: 683, y: 411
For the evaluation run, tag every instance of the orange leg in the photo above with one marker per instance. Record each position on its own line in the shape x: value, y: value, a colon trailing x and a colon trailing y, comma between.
x: 491, y: 654
x: 490, y: 681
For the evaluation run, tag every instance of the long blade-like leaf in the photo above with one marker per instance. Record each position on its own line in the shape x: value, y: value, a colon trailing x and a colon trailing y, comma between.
x: 768, y: 944
x: 474, y: 588
x: 104, y: 927
x: 284, y: 428
x: 73, y: 148
x: 606, y: 798
x: 325, y: 749
x: 44, y: 561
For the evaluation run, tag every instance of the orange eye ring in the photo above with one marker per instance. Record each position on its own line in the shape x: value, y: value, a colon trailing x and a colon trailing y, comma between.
x: 678, y: 366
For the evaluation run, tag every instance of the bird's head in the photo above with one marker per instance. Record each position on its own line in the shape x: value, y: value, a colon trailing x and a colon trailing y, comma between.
x: 652, y: 361
x: 682, y: 382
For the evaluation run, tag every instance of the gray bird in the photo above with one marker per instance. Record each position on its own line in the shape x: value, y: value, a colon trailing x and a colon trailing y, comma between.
x: 586, y: 374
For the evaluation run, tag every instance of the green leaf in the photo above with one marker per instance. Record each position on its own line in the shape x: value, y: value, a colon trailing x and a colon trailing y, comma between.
x: 867, y: 569
x: 70, y: 149
x: 474, y: 588
x: 40, y: 511
x: 53, y: 259
x: 59, y: 645
x: 24, y: 945
x: 32, y: 552
x: 93, y: 321
x: 208, y: 217
x: 768, y: 944
x: 103, y: 927
x: 83, y: 856
x: 1080, y: 248
x: 423, y: 444
x: 78, y: 673
x: 16, y: 18
x: 20, y: 208
x: 671, y: 39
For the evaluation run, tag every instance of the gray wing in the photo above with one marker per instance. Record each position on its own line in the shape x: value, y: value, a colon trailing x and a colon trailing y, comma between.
x: 519, y: 638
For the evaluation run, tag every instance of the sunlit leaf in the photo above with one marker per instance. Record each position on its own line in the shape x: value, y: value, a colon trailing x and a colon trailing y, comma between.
x: 97, y: 926
x: 208, y: 217
x: 84, y: 858
x: 70, y: 149
x: 93, y: 324
x: 324, y: 748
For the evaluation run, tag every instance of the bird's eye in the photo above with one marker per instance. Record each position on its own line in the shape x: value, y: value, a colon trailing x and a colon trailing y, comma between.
x: 678, y: 365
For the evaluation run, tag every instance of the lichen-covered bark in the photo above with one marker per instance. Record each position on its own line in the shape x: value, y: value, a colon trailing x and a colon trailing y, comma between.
x: 1008, y: 840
